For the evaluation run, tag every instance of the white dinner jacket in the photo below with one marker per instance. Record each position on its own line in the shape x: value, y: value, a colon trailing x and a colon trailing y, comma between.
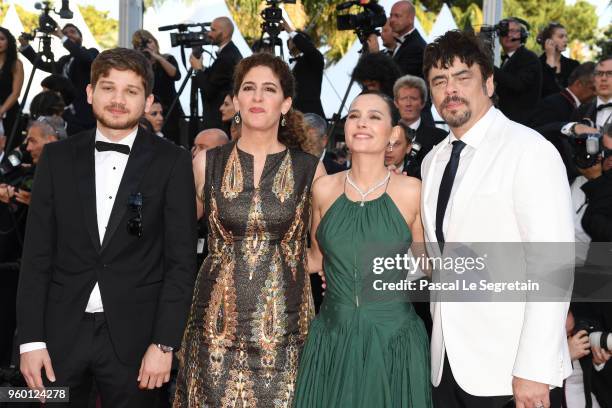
x: 515, y: 190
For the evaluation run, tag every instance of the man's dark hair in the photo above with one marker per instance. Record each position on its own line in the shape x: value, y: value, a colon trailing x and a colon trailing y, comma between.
x: 75, y: 27
x: 604, y: 58
x: 47, y: 103
x: 378, y: 67
x: 582, y: 73
x: 457, y: 44
x: 60, y: 84
x: 123, y: 59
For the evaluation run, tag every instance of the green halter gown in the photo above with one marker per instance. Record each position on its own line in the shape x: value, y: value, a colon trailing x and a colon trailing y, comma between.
x: 360, y: 352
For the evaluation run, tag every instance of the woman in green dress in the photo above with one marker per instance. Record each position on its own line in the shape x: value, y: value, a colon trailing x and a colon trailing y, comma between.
x: 364, y: 350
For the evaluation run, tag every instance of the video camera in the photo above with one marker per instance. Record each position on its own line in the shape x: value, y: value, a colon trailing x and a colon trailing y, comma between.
x: 46, y: 24
x: 273, y: 17
x: 364, y: 23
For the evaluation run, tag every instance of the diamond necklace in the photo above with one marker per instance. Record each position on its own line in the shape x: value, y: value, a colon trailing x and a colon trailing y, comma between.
x: 364, y: 195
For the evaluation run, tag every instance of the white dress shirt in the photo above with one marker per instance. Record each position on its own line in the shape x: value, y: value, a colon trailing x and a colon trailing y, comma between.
x: 604, y: 114
x: 109, y: 168
x: 472, y: 138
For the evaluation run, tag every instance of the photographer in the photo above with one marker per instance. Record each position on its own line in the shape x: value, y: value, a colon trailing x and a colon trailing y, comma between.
x: 556, y: 68
x: 165, y: 69
x: 14, y: 202
x: 75, y: 66
x: 308, y: 71
x: 519, y: 78
x: 216, y: 81
x: 597, y: 223
x: 556, y: 110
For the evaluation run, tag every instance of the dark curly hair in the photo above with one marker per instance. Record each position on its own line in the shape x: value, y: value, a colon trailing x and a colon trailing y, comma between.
x: 457, y: 44
x: 293, y: 134
x: 11, y: 52
x: 378, y: 67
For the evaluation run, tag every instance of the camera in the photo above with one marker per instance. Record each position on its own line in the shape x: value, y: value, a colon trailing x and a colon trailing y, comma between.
x: 273, y: 17
x: 186, y: 38
x: 586, y: 149
x: 12, y: 171
x: 364, y: 23
x: 597, y: 336
x: 46, y: 24
x: 143, y: 47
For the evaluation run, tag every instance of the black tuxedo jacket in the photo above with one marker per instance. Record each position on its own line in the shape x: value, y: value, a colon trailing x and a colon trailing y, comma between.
x: 551, y: 114
x: 146, y: 283
x: 79, y: 74
x: 409, y: 57
x: 331, y: 167
x: 553, y: 82
x: 428, y: 137
x: 308, y: 73
x: 519, y: 85
x: 215, y: 82
x: 586, y: 111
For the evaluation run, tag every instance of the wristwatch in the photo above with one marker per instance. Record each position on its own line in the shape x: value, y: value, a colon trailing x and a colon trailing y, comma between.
x: 165, y: 349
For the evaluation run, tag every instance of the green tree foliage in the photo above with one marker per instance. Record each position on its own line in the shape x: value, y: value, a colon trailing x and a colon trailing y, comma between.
x: 104, y: 29
x: 28, y: 18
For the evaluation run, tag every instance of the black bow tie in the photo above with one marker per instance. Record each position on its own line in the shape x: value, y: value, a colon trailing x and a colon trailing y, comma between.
x: 604, y: 106
x: 115, y: 147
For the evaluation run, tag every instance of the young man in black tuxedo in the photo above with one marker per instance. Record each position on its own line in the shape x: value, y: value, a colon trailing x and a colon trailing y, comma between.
x: 216, y: 81
x: 109, y: 257
x: 75, y: 66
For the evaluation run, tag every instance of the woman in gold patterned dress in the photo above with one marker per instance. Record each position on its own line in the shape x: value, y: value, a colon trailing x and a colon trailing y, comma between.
x: 252, y: 303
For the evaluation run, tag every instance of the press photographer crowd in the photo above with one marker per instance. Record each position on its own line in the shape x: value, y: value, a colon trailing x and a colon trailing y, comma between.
x: 152, y: 256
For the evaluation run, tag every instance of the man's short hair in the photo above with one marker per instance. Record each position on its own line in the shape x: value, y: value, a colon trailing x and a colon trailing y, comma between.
x: 123, y: 59
x: 582, y: 73
x: 314, y: 121
x: 465, y: 46
x: 410, y: 81
x: 604, y: 58
x: 51, y: 126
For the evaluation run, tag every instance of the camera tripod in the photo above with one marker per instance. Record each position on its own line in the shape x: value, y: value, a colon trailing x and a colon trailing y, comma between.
x: 336, y: 117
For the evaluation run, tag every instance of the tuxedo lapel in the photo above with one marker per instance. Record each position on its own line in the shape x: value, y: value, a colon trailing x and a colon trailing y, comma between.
x: 137, y: 165
x: 85, y: 174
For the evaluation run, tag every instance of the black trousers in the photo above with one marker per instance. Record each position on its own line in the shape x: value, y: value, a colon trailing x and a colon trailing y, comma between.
x: 93, y: 359
x: 450, y: 395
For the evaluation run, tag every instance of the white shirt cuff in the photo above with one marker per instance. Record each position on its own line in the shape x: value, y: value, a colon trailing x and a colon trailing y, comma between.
x: 64, y: 38
x: 599, y: 367
x: 567, y: 129
x: 27, y: 347
x: 292, y: 34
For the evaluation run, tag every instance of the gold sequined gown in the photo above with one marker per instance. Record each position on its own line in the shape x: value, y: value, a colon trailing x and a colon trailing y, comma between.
x: 252, y: 302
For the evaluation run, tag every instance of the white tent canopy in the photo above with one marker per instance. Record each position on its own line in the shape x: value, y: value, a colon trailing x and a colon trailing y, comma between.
x: 444, y: 22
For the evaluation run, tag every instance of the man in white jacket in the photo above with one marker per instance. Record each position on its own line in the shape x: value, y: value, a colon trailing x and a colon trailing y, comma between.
x: 492, y: 180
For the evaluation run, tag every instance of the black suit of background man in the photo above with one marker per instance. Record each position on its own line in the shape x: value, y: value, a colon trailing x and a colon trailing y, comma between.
x: 409, y: 56
x: 519, y: 84
x: 308, y: 73
x: 76, y: 66
x: 145, y: 282
x: 215, y: 82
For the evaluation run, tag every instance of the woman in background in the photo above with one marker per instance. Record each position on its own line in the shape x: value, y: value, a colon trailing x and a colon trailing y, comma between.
x: 556, y: 68
x: 11, y: 81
